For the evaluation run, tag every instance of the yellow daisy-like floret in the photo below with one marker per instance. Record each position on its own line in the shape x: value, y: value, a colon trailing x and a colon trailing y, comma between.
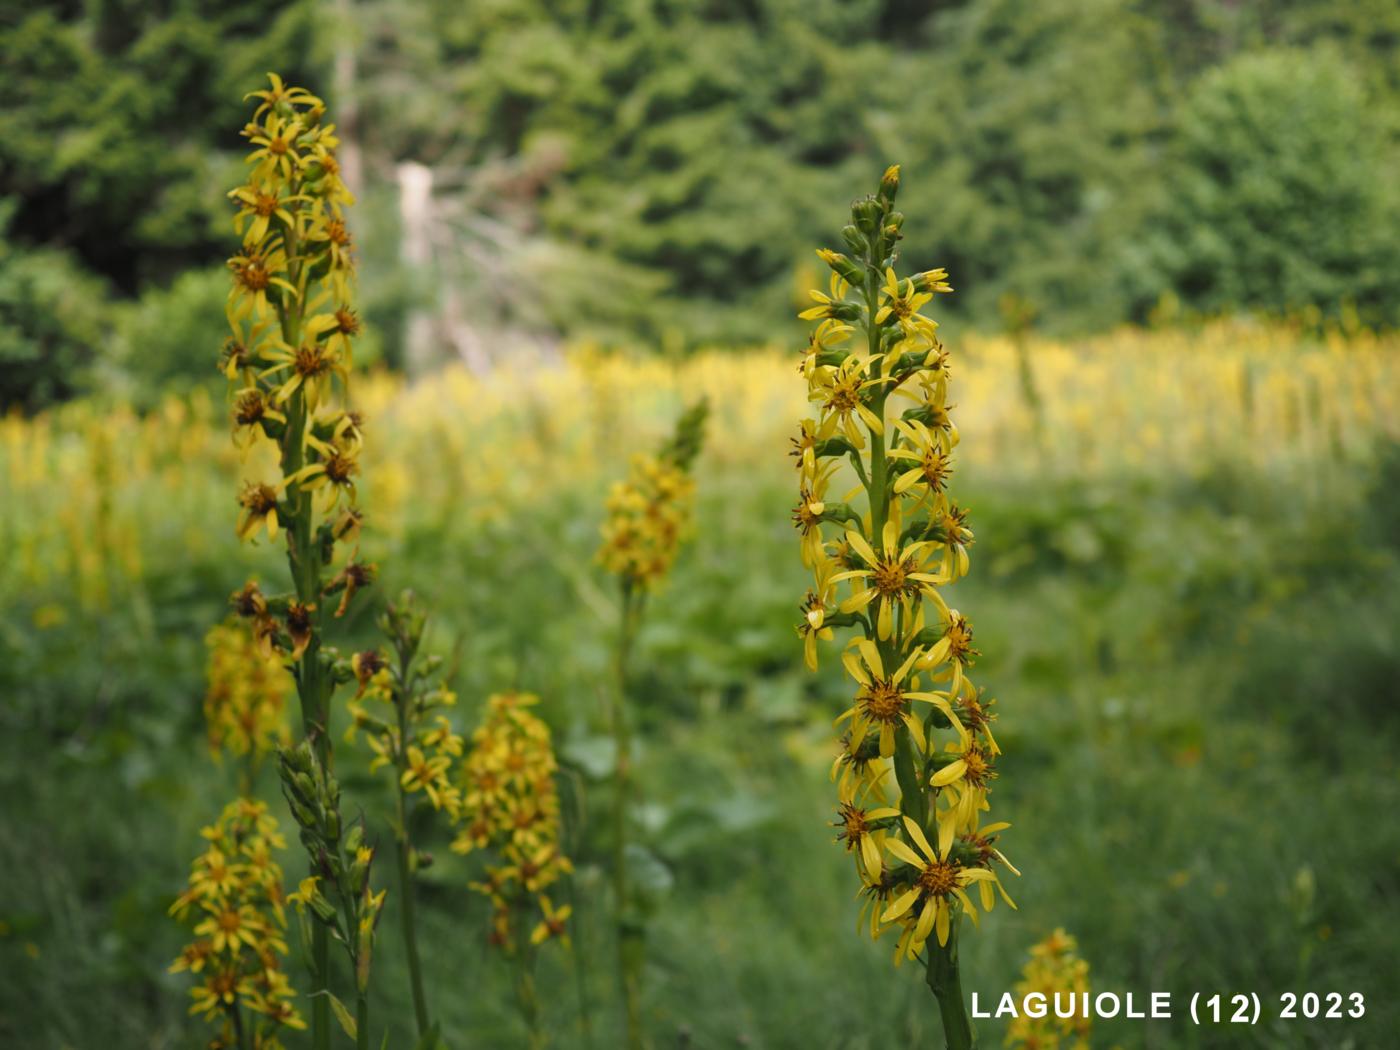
x: 841, y: 393
x: 894, y: 578
x: 938, y: 880
x: 882, y: 703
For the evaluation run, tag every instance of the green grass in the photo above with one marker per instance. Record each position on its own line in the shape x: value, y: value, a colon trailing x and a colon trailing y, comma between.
x: 1196, y: 678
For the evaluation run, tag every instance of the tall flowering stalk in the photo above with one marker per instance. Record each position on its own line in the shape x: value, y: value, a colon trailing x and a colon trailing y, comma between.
x: 509, y: 808
x: 236, y: 909
x: 417, y: 742
x: 873, y: 354
x: 646, y: 521
x: 291, y: 311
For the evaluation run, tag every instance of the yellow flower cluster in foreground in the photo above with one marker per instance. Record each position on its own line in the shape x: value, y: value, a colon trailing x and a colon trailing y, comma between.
x: 236, y: 907
x: 510, y: 805
x: 879, y: 378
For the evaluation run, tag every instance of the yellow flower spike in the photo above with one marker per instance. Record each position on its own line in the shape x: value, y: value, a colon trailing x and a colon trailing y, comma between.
x: 238, y: 933
x: 1054, y: 970
x: 648, y: 517
x: 895, y: 552
x: 292, y: 261
x: 509, y: 805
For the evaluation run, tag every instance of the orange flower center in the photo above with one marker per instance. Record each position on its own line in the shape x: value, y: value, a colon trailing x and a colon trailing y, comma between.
x: 891, y: 577
x: 939, y: 879
x: 259, y: 499
x: 311, y: 361
x: 881, y: 701
x: 960, y: 639
x: 937, y: 468
x: 254, y: 276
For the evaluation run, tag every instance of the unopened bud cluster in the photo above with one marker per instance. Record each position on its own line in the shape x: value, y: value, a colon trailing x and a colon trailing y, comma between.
x: 338, y: 893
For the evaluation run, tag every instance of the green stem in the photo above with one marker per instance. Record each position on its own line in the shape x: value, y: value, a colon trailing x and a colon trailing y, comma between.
x: 529, y: 1001
x: 405, y: 856
x: 629, y: 945
x: 304, y: 562
x: 239, y: 1032
x: 362, y: 1022
x: 875, y: 488
x: 321, y: 1004
x: 585, y: 1011
x: 1030, y: 394
x: 946, y: 985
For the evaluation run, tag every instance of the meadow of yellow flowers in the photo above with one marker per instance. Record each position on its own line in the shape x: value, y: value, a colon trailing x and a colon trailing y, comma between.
x: 91, y: 494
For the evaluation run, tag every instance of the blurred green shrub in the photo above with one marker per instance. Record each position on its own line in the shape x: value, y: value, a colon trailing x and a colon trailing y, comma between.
x: 1279, y: 193
x: 169, y: 337
x: 53, y: 318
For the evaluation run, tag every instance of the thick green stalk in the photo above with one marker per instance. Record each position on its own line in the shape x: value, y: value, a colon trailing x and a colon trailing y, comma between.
x: 405, y: 854
x: 628, y: 942
x: 239, y: 1032
x: 879, y: 466
x: 304, y: 562
x: 1030, y: 393
x: 585, y: 1013
x: 946, y: 985
x: 529, y: 1001
x: 362, y: 1022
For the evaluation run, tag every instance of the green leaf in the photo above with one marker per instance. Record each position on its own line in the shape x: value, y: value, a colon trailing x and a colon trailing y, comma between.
x: 432, y: 1039
x: 595, y: 755
x: 346, y: 1019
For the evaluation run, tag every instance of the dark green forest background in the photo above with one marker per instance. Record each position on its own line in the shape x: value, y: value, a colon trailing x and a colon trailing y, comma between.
x: 653, y: 173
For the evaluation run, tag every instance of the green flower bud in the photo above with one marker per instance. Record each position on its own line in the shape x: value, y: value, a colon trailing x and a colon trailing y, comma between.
x: 836, y: 446
x: 867, y: 214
